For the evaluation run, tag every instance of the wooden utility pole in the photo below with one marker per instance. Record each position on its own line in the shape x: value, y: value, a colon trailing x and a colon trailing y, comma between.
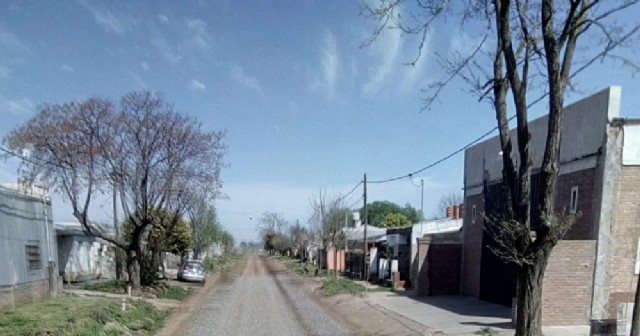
x: 366, y: 222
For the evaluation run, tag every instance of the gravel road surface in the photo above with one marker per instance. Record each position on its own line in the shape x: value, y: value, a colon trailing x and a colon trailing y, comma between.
x: 261, y: 301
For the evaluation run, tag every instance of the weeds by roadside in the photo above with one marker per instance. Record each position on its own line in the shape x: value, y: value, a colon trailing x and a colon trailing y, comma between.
x: 175, y: 293
x: 486, y: 331
x: 221, y: 264
x: 79, y: 316
x: 162, y: 290
x: 340, y: 286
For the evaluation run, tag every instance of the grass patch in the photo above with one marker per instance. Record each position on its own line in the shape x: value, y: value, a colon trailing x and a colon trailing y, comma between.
x: 221, y: 264
x: 175, y: 293
x: 110, y: 286
x: 340, y: 286
x: 79, y: 316
x: 486, y: 331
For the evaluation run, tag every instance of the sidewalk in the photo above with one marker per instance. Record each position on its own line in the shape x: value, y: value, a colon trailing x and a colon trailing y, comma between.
x: 457, y: 315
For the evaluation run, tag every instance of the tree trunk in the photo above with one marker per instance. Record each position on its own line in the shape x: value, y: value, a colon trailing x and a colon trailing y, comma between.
x: 133, y: 268
x: 529, y: 296
x: 635, y: 320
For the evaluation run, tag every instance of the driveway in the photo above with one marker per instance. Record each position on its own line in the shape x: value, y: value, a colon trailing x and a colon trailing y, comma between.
x: 457, y: 315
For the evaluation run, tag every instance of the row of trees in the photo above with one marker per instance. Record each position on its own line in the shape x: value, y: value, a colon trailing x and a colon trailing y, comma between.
x: 138, y: 147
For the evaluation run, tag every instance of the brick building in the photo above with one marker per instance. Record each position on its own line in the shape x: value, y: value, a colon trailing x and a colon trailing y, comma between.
x: 592, y: 272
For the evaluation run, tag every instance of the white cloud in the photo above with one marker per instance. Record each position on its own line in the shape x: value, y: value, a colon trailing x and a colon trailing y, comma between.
x: 67, y: 68
x: 386, y: 49
x: 329, y: 66
x: 163, y: 18
x: 108, y: 20
x: 242, y: 78
x: 197, y: 85
x: 16, y: 107
x: 145, y: 66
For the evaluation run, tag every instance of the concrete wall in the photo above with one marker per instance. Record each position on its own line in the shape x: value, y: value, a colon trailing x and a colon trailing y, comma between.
x: 83, y: 258
x: 587, y: 116
x: 331, y: 259
x: 24, y: 220
x: 568, y: 283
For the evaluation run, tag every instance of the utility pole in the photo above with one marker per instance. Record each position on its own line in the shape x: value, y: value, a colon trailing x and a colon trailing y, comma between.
x: 422, y: 200
x: 366, y: 223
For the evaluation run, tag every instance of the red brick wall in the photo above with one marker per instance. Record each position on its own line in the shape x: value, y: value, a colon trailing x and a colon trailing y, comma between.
x: 568, y: 283
x: 584, y: 228
x: 444, y: 269
x: 472, y: 246
x: 625, y: 233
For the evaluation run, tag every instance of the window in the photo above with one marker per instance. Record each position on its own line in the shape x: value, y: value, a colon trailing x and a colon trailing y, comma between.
x: 574, y: 200
x: 34, y: 260
x: 473, y: 214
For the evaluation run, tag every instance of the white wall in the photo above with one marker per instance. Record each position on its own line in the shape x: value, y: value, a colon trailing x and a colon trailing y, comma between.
x: 82, y: 258
x: 631, y: 146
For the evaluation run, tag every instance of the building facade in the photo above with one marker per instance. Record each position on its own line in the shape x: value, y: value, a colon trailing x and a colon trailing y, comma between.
x: 27, y: 246
x: 592, y: 272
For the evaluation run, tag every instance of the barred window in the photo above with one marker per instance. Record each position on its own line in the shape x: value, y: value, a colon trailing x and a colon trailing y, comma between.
x: 34, y: 259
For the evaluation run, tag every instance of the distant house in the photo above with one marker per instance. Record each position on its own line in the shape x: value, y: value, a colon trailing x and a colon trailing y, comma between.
x: 27, y: 246
x: 592, y: 272
x: 83, y: 256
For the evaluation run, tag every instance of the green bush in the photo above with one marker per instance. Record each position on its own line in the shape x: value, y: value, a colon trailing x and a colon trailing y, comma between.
x: 110, y: 286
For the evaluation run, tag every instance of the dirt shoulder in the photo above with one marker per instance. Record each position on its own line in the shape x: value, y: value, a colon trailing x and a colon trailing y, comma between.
x: 353, y: 311
x: 181, y: 316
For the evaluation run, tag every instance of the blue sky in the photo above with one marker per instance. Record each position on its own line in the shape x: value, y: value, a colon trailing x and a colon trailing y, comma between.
x: 303, y: 105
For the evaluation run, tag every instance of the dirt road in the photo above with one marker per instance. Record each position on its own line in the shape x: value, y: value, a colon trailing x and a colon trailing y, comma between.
x: 260, y: 300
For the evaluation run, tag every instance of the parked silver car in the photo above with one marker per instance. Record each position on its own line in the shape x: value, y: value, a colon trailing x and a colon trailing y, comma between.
x: 192, y: 271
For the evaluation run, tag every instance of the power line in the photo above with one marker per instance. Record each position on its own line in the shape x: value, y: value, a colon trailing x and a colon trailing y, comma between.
x: 350, y: 192
x: 447, y: 157
x: 23, y: 158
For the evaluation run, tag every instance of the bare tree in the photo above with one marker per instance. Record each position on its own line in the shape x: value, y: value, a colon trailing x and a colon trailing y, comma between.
x: 448, y: 200
x: 327, y: 215
x: 146, y: 150
x: 205, y: 228
x: 273, y: 229
x: 534, y: 47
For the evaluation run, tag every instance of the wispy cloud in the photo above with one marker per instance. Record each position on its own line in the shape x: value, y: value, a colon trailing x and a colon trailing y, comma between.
x: 163, y: 18
x: 16, y: 107
x: 329, y: 66
x: 241, y: 77
x: 197, y: 85
x: 386, y: 49
x: 109, y: 20
x: 145, y: 66
x: 67, y: 68
x: 11, y: 42
x: 413, y: 74
x: 165, y: 50
x: 200, y: 38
